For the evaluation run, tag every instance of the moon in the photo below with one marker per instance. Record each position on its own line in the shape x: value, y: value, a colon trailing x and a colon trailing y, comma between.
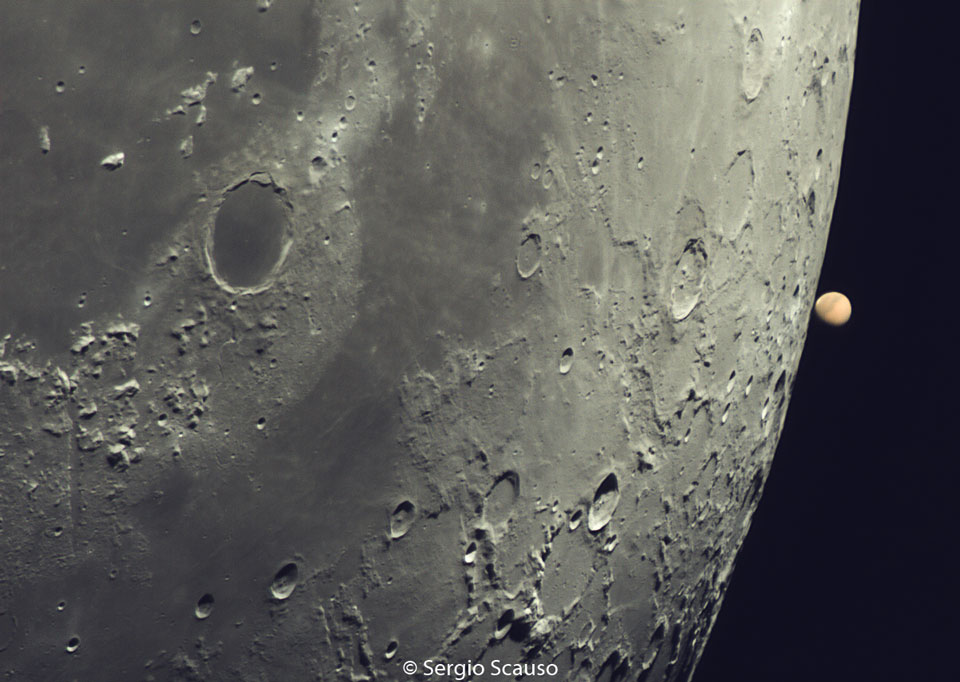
x: 339, y: 336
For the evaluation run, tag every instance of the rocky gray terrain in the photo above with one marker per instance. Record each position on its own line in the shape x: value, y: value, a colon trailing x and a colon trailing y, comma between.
x: 341, y: 335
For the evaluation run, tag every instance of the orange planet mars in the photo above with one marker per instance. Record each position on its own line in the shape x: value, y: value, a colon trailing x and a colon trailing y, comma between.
x: 833, y: 308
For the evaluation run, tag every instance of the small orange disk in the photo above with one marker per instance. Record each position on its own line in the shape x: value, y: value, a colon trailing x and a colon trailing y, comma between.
x: 833, y: 308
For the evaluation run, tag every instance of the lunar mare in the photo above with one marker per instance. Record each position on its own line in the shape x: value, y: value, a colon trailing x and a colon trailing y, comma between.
x: 339, y: 335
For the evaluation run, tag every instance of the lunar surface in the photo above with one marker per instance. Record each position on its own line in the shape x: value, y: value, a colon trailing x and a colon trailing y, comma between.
x: 345, y: 340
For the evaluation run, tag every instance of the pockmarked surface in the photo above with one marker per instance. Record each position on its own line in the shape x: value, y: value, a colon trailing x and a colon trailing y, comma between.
x: 336, y: 336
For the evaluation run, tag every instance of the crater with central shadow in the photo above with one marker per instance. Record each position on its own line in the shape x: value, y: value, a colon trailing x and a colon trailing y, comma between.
x: 248, y: 233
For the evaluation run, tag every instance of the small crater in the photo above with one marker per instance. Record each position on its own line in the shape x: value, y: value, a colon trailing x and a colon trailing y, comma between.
x: 752, y: 78
x: 566, y: 360
x: 73, y: 644
x: 500, y: 501
x: 285, y: 581
x: 350, y: 103
x: 195, y: 27
x: 391, y: 649
x: 519, y: 631
x: 60, y: 87
x: 575, y: 519
x: 205, y: 606
x: 61, y: 605
x: 595, y: 164
x: 528, y: 256
x: 548, y: 179
x: 504, y: 624
x: 731, y: 382
x: 733, y: 213
x: 535, y: 172
x: 402, y: 519
x: 470, y: 556
x: 605, y: 501
x: 688, y: 277
x: 781, y: 384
